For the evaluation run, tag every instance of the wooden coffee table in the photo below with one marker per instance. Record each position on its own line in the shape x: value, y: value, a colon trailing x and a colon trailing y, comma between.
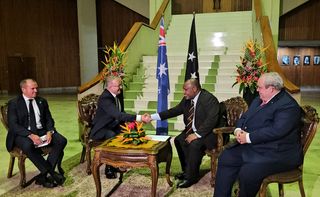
x: 125, y: 157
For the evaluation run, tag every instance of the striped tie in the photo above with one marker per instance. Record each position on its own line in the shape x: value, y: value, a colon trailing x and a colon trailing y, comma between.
x: 190, y: 118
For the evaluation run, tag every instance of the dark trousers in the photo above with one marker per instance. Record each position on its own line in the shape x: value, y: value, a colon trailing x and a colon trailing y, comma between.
x: 55, y: 156
x: 190, y: 155
x: 232, y: 167
x: 103, y: 134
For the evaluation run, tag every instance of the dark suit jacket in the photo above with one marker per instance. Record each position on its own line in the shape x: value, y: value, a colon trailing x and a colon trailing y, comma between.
x: 18, y: 118
x: 274, y: 130
x: 108, y: 115
x: 206, y: 115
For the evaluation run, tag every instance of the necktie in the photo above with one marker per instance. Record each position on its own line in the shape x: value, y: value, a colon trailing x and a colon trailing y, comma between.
x: 190, y: 118
x: 118, y: 103
x: 32, y: 117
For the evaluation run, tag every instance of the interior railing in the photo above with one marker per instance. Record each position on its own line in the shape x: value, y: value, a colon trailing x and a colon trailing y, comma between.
x: 271, y: 53
x: 129, y: 41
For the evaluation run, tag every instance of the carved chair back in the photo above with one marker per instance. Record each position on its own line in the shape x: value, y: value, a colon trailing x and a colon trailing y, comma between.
x: 87, y: 107
x: 230, y: 111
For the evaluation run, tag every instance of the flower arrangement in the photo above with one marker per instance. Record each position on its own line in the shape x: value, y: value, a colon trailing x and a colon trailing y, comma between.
x: 133, y: 133
x: 114, y: 62
x: 251, y: 67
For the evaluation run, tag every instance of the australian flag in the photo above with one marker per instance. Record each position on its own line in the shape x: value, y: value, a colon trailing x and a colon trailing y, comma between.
x: 192, y: 69
x: 163, y: 80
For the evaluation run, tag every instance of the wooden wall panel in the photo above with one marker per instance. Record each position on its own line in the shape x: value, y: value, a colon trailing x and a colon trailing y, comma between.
x: 114, y: 22
x: 46, y: 30
x: 301, y: 23
x: 301, y: 75
x: 204, y: 6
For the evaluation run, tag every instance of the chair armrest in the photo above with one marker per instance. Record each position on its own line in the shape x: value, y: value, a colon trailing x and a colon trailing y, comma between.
x: 222, y: 130
x: 219, y: 132
x: 85, y: 123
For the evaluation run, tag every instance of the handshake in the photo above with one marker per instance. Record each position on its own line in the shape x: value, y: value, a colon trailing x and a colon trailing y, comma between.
x: 146, y: 118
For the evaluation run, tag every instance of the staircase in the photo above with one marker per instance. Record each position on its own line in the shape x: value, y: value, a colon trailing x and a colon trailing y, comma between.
x: 220, y: 38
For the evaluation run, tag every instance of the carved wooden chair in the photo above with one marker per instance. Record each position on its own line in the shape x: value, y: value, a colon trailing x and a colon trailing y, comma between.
x: 232, y: 108
x: 17, y: 152
x: 310, y: 120
x: 87, y: 107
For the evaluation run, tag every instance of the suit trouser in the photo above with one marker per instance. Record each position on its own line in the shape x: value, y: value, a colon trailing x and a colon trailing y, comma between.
x: 57, y: 145
x: 104, y: 134
x: 232, y: 167
x: 190, y: 155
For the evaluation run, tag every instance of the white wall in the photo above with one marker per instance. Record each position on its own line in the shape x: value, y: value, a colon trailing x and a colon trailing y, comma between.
x: 88, y: 45
x: 139, y: 6
x: 288, y: 5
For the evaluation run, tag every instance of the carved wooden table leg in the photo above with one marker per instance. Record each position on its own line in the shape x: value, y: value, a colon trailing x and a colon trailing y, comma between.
x: 153, y: 165
x: 96, y: 173
x: 168, y: 165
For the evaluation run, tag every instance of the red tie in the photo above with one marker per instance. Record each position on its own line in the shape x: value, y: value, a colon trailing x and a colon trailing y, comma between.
x: 263, y: 103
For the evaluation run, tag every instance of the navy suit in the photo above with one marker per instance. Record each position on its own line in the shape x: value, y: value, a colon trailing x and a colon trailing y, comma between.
x: 206, y: 118
x: 275, y: 146
x: 108, y: 118
x: 18, y: 133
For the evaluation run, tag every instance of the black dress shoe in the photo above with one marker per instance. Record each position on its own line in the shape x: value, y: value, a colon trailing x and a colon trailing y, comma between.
x: 56, y: 178
x: 180, y: 176
x: 185, y: 184
x: 42, y: 179
x: 110, y: 172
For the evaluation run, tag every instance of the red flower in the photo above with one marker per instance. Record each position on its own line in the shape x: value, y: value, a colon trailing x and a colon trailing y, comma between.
x: 131, y: 125
x: 251, y: 66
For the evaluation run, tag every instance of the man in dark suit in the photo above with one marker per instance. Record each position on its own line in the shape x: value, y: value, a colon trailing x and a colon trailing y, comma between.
x: 268, y: 140
x: 110, y: 115
x: 30, y: 121
x: 198, y: 135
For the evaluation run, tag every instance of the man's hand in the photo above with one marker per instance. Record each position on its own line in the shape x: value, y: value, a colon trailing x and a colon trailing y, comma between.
x: 191, y: 137
x: 146, y: 118
x: 241, y: 136
x: 35, y: 139
x: 49, y: 137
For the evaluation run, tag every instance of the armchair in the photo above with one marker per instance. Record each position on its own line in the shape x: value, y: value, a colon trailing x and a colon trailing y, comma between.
x: 232, y: 109
x: 310, y: 120
x: 17, y: 152
x: 87, y: 107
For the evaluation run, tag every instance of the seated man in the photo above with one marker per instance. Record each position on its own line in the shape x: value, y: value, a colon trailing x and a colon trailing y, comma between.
x: 200, y: 111
x: 110, y: 115
x: 268, y: 140
x: 30, y: 126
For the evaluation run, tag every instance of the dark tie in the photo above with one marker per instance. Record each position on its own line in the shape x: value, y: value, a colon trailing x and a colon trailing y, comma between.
x: 32, y: 117
x: 118, y: 103
x: 190, y: 118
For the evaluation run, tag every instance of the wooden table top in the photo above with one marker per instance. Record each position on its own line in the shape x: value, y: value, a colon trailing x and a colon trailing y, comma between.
x: 113, y: 145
